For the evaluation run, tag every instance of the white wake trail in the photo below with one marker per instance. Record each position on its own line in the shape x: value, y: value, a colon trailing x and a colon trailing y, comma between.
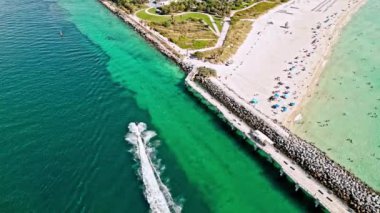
x: 156, y: 193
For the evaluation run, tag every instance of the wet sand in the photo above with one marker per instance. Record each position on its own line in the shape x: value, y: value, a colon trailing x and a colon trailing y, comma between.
x: 285, y: 53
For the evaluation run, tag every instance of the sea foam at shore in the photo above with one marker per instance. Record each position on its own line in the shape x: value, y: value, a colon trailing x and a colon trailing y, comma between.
x: 284, y: 53
x: 342, y: 117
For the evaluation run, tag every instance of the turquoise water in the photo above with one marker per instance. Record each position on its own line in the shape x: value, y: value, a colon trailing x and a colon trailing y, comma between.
x: 343, y: 117
x: 65, y: 104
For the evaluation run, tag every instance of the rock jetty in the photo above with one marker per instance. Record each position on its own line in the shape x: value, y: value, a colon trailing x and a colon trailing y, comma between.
x: 345, y: 185
x: 358, y: 195
x: 148, y: 35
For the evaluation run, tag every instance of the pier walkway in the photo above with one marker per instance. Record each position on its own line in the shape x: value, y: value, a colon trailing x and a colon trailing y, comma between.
x: 303, y: 180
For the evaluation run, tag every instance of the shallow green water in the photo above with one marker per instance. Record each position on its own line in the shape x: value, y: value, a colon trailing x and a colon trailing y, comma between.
x: 346, y: 105
x: 65, y: 104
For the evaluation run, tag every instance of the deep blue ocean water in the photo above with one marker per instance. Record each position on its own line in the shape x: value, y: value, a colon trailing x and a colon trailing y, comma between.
x: 66, y: 102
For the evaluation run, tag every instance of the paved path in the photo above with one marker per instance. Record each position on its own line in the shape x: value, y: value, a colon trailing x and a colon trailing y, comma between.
x: 213, y: 24
x: 214, y: 27
x: 222, y: 36
x: 245, y: 8
x: 225, y: 28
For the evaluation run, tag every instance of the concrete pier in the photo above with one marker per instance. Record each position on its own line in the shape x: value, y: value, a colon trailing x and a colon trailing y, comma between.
x: 303, y: 180
x: 305, y: 164
x: 356, y: 194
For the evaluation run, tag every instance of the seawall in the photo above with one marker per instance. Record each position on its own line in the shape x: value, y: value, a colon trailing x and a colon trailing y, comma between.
x: 146, y: 33
x: 342, y: 183
x: 358, y: 195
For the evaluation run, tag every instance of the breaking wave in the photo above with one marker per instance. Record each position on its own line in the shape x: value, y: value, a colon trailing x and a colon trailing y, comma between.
x: 156, y: 192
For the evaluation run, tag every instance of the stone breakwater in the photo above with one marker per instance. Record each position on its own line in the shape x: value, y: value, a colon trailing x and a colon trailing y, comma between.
x: 146, y: 33
x: 358, y: 195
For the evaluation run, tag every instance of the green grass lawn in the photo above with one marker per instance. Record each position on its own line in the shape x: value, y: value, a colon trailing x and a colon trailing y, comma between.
x: 179, y: 18
x: 254, y: 11
x: 237, y: 33
x: 218, y: 22
x: 200, y: 16
x: 153, y: 10
x: 244, y: 4
x: 151, y: 18
x: 235, y: 37
x: 188, y: 30
x: 189, y: 34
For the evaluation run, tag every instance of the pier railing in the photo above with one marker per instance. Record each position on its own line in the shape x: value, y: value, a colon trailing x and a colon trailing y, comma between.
x: 330, y: 176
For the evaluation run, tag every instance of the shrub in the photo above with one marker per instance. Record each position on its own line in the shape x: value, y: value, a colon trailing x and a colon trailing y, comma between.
x: 205, y: 72
x: 167, y: 24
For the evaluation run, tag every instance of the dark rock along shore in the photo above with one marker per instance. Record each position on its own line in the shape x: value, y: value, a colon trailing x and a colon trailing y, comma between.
x: 155, y: 41
x: 345, y: 185
x: 358, y: 195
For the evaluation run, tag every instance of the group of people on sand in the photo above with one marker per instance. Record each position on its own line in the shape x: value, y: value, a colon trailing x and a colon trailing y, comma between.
x: 287, y: 90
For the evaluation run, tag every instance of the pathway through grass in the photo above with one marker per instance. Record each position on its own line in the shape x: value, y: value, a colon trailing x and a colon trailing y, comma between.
x: 151, y: 16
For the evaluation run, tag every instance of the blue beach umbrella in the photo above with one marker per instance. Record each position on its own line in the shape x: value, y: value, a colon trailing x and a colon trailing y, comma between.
x: 254, y: 101
x: 284, y: 109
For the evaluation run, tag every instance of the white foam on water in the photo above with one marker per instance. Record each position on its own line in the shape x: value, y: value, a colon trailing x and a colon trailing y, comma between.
x: 155, y: 191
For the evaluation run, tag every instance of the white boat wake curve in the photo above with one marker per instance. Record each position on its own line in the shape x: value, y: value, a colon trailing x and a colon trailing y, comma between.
x: 155, y: 191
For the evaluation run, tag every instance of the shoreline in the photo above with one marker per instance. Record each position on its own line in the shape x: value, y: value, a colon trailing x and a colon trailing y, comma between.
x: 302, y: 34
x: 289, y: 121
x: 161, y: 45
x: 285, y: 140
x: 355, y: 193
x: 297, y: 175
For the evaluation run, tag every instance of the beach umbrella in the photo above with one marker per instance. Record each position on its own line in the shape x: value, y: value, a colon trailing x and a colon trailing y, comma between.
x: 254, y: 101
x: 276, y: 95
x: 284, y: 109
x: 292, y: 104
x: 275, y: 106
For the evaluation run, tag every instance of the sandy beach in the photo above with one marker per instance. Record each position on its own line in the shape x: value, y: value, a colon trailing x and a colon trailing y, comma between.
x: 267, y: 80
x: 280, y: 61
